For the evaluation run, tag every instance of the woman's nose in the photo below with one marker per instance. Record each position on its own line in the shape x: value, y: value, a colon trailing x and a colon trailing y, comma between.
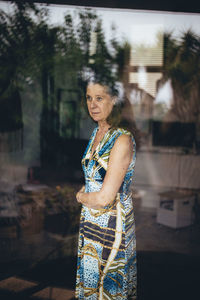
x: 93, y: 103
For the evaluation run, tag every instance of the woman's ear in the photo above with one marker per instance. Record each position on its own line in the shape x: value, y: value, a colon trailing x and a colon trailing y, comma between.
x: 114, y: 100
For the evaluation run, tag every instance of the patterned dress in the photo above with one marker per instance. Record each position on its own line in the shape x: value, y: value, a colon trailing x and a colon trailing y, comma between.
x: 106, y: 266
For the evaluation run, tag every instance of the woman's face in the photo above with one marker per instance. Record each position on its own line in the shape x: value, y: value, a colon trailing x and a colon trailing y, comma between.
x: 99, y: 102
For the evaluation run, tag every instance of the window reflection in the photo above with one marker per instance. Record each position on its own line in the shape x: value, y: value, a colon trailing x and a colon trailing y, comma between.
x: 153, y: 58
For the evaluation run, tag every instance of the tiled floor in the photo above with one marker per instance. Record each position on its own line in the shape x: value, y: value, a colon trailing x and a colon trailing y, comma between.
x: 54, y: 293
x: 15, y: 287
x: 16, y: 284
x: 34, y: 266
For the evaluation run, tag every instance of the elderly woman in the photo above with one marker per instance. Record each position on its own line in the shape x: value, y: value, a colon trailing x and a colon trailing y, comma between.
x: 106, y: 266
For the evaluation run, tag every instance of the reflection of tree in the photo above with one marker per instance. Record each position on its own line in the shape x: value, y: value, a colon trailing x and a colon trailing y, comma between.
x: 160, y: 110
x: 45, y: 62
x: 182, y: 66
x: 17, y: 59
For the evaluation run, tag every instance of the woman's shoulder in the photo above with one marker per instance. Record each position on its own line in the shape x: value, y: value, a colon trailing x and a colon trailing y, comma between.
x: 122, y: 131
x: 123, y: 141
x: 123, y: 134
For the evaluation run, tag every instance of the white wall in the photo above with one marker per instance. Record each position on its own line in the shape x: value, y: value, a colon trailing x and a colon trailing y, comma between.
x: 157, y: 172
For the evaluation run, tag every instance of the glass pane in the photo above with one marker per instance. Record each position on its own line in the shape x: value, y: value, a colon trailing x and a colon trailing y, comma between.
x: 150, y: 60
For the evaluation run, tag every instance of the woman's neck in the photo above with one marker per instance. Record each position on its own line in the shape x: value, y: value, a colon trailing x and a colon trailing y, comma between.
x: 103, y: 126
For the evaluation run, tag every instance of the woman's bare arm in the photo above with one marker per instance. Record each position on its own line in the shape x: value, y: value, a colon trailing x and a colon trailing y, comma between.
x: 82, y: 189
x: 120, y: 158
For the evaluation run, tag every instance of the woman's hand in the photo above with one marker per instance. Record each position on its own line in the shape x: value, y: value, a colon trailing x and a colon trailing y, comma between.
x: 80, y: 192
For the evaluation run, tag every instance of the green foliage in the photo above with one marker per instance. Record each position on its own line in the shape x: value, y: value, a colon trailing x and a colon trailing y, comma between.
x: 45, y: 64
x: 182, y: 59
x: 182, y: 66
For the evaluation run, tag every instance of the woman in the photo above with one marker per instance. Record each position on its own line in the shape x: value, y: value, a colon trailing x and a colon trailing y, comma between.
x: 106, y: 266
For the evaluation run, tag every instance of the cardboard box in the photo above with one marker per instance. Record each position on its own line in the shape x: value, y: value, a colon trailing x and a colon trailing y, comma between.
x: 175, y: 208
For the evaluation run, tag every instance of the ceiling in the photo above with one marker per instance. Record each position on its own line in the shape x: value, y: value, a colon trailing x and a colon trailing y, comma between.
x: 192, y: 6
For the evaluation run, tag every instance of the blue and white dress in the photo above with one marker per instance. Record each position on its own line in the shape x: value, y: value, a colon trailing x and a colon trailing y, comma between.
x: 106, y: 266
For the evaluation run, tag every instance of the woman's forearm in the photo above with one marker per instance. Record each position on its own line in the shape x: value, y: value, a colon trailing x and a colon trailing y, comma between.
x: 90, y: 200
x: 95, y: 200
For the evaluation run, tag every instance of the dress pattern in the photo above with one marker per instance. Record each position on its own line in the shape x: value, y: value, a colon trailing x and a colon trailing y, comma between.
x: 106, y: 265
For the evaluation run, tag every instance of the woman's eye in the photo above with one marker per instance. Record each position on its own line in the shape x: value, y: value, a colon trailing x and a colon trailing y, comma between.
x: 88, y: 98
x: 99, y: 98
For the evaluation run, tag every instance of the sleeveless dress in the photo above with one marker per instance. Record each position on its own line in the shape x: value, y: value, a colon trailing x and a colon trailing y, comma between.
x: 106, y: 264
